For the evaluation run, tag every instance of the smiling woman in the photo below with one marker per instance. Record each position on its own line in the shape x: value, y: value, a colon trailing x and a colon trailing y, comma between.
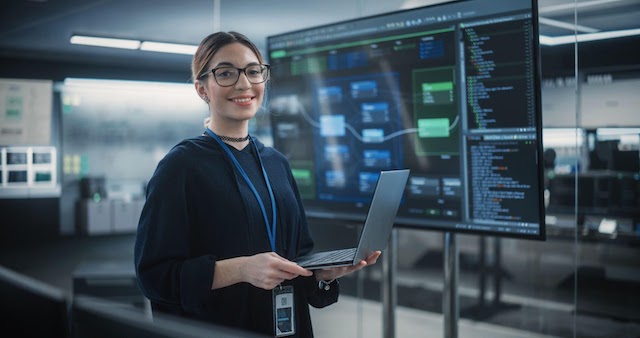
x: 124, y: 133
x: 224, y: 221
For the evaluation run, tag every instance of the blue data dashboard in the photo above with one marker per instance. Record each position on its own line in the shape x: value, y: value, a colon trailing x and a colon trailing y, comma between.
x: 450, y: 91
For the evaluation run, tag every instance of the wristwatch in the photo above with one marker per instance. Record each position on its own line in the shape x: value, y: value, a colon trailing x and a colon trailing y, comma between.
x: 325, y: 284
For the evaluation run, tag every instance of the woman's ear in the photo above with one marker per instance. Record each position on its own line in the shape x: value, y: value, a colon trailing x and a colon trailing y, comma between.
x: 200, y: 89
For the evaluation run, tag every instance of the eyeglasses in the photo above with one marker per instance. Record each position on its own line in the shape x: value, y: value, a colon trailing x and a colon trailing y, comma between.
x: 228, y: 76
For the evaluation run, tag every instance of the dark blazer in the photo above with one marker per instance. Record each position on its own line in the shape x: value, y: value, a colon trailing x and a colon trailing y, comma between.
x: 197, y: 212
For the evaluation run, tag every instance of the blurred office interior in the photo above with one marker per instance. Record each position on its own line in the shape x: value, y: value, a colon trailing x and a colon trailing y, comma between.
x: 84, y: 127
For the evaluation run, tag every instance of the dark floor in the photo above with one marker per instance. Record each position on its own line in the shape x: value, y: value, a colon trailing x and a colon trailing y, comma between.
x: 55, y: 262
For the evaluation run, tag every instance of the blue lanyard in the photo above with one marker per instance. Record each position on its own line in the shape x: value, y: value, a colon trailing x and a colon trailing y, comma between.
x: 271, y: 230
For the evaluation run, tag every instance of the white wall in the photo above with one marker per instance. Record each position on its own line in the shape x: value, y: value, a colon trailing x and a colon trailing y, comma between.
x: 614, y: 103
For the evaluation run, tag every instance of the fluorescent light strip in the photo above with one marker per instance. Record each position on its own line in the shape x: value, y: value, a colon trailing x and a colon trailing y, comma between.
x: 152, y: 46
x: 124, y: 85
x: 568, y: 26
x: 565, y: 39
x: 572, y: 6
x: 162, y: 47
x: 105, y: 42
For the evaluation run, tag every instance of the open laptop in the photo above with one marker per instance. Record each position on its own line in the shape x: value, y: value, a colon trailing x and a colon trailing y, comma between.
x: 377, y: 226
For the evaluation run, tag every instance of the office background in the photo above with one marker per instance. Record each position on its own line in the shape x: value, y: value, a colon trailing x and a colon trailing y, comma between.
x: 99, y: 142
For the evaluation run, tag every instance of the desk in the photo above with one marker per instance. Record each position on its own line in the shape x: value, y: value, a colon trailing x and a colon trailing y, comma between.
x: 113, y: 280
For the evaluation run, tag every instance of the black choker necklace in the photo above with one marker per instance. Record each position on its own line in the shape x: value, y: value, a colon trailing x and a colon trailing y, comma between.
x: 233, y: 139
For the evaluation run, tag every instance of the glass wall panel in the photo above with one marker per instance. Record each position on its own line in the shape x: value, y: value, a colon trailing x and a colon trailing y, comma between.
x: 114, y: 134
x: 607, y: 272
x: 581, y: 281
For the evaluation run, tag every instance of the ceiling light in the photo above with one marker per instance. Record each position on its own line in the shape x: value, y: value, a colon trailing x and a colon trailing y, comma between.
x: 162, y: 47
x: 126, y: 85
x: 565, y: 39
x: 565, y: 25
x: 151, y: 46
x: 105, y: 42
x: 572, y: 5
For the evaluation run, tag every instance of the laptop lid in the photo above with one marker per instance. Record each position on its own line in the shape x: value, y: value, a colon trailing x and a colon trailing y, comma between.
x: 382, y: 212
x: 377, y: 226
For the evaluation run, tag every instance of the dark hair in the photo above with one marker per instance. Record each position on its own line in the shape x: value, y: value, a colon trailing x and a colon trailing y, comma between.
x: 212, y: 44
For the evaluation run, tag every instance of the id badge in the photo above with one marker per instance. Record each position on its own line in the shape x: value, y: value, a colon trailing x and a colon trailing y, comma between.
x: 283, y: 311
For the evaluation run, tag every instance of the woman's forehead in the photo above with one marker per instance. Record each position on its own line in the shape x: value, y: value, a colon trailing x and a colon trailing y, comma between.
x: 234, y: 54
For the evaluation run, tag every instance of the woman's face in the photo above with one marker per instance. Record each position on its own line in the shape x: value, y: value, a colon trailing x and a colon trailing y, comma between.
x: 238, y: 102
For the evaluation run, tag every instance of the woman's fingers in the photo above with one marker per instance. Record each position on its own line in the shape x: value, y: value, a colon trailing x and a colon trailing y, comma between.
x: 373, y: 258
x: 331, y: 273
x: 267, y: 270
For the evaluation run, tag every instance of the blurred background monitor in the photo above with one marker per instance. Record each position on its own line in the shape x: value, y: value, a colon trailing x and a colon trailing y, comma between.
x: 569, y: 146
x: 617, y: 149
x: 562, y: 191
x: 601, y: 193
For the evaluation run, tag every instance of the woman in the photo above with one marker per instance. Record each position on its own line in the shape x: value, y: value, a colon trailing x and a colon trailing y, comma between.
x: 224, y: 220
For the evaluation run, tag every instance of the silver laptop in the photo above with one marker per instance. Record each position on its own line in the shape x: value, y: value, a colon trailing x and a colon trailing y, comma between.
x: 377, y: 226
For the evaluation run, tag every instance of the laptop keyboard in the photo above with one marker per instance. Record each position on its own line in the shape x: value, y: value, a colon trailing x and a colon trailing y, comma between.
x: 333, y: 256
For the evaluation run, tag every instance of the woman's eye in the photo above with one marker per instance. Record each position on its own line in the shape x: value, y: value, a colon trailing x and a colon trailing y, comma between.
x: 225, y: 73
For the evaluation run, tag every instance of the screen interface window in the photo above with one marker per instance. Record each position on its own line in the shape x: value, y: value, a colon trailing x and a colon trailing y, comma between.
x: 449, y: 91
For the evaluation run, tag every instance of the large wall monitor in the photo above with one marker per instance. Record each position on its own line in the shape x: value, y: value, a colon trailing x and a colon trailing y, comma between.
x: 450, y: 91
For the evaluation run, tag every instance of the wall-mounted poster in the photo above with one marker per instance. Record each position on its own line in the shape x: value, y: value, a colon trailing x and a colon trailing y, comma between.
x: 25, y: 111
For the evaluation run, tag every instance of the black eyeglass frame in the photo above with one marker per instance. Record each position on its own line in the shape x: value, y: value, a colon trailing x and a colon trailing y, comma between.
x: 240, y: 70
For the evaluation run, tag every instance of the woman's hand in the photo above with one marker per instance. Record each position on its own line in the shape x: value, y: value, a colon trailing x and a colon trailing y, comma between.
x: 267, y: 270
x: 333, y: 273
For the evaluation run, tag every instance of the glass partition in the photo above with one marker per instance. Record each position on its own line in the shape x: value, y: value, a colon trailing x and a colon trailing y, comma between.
x: 607, y: 267
x: 506, y: 287
x: 582, y: 281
